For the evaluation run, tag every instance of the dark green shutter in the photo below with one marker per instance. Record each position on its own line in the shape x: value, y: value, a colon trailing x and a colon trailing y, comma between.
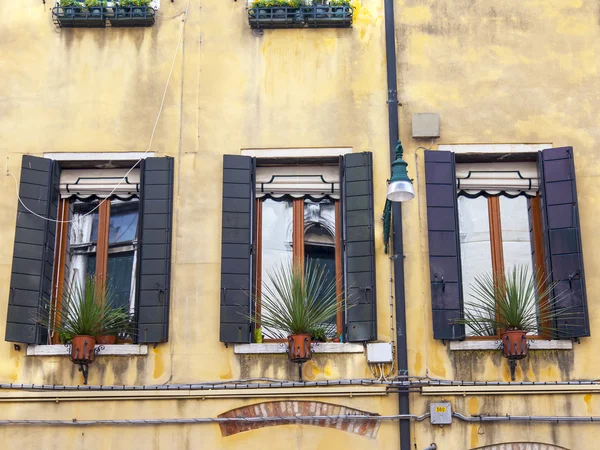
x: 154, y: 269
x: 236, y: 248
x: 359, y: 239
x: 33, y: 254
x: 444, y: 245
x: 562, y: 239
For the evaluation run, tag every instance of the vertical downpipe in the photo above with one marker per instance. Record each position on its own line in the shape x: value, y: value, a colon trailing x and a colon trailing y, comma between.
x: 397, y: 253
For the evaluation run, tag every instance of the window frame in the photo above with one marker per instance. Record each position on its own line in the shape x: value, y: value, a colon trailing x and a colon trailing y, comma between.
x: 103, y: 249
x: 497, y: 253
x: 298, y: 254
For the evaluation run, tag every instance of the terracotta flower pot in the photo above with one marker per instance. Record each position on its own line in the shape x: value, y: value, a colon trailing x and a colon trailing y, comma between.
x: 82, y: 349
x: 106, y: 340
x: 514, y: 344
x: 299, y: 350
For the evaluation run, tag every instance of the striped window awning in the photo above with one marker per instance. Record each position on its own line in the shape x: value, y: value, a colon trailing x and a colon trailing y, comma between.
x: 510, y: 178
x: 298, y: 181
x: 101, y: 183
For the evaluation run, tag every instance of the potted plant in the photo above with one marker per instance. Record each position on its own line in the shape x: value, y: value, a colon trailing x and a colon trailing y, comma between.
x: 132, y: 13
x: 511, y: 305
x: 83, y: 315
x: 71, y: 7
x: 341, y: 10
x: 295, y: 304
x: 96, y: 7
x: 118, y: 322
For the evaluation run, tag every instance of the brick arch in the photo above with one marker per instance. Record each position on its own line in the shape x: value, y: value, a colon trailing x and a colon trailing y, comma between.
x: 291, y: 408
x: 521, y: 446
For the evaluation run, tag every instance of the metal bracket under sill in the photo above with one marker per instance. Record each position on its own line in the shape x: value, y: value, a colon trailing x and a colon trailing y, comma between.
x: 107, y: 350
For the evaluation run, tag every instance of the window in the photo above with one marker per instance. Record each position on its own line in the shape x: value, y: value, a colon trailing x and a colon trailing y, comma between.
x: 294, y: 231
x: 488, y: 212
x: 278, y: 209
x: 125, y: 240
x: 498, y: 232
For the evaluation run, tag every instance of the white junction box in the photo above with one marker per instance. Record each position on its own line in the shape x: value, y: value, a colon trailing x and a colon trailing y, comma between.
x: 441, y: 413
x: 380, y: 353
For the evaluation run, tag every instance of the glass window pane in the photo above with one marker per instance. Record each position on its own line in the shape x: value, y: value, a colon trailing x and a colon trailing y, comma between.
x: 84, y: 224
x: 516, y: 237
x: 319, y: 243
x: 81, y: 248
x: 277, y: 218
x: 123, y: 220
x: 475, y: 249
x: 119, y: 278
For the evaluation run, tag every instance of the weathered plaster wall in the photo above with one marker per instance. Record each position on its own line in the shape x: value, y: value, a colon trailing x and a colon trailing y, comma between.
x: 501, y: 72
x: 99, y: 90
x: 496, y: 72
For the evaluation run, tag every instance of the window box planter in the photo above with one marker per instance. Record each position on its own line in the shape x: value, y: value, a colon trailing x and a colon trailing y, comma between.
x: 324, y: 16
x: 132, y: 16
x: 99, y: 16
x: 70, y: 16
x: 315, y: 16
x: 276, y: 17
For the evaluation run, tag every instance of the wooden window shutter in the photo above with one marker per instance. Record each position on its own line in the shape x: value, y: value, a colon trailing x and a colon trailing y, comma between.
x: 33, y: 254
x: 359, y: 238
x: 236, y: 248
x: 444, y: 245
x: 562, y: 239
x: 155, y: 231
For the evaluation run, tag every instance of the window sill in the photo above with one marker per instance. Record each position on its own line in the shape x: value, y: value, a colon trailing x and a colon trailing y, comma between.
x: 324, y: 347
x: 107, y: 350
x: 534, y: 344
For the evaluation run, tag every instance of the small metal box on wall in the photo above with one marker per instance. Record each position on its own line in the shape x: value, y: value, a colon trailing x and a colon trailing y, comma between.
x: 440, y: 413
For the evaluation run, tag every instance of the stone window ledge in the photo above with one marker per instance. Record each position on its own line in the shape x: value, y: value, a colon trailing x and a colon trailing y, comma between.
x: 108, y: 350
x: 534, y: 344
x: 325, y: 347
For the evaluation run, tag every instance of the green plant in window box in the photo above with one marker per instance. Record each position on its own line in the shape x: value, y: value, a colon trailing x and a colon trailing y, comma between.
x: 515, y: 305
x: 296, y: 304
x: 70, y: 7
x: 86, y: 312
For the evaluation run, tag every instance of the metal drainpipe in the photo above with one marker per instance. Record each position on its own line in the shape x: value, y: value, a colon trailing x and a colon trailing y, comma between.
x: 397, y: 253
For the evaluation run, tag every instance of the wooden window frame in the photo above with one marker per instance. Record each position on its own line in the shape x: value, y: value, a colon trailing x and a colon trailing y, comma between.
x: 497, y: 253
x: 102, y: 251
x: 298, y: 253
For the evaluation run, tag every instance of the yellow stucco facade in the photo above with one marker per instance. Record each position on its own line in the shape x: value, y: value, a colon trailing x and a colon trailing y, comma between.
x: 495, y: 72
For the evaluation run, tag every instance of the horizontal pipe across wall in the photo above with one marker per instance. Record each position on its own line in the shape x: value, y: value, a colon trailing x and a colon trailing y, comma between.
x: 301, y: 419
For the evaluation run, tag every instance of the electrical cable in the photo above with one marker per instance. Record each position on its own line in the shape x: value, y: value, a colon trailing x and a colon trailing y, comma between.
x: 162, y: 102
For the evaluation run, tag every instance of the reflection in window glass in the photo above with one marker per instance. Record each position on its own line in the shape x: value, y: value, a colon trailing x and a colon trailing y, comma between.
x: 319, y: 242
x: 123, y: 221
x: 277, y: 217
x: 516, y: 237
x: 475, y: 249
x: 120, y: 271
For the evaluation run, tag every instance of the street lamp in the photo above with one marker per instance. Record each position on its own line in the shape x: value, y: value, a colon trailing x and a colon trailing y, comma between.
x: 400, y: 188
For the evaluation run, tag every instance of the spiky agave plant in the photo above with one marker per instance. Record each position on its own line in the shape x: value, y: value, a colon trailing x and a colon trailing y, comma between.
x: 87, y: 310
x: 296, y: 302
x: 512, y: 302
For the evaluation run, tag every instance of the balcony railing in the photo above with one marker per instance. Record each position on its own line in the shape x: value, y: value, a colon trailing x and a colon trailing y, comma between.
x: 93, y: 17
x: 315, y: 16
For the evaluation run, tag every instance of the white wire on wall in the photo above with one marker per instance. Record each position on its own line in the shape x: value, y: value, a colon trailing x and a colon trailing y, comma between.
x: 162, y: 102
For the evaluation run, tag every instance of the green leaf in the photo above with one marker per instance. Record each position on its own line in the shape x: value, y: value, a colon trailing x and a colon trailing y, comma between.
x: 512, y: 302
x: 294, y: 302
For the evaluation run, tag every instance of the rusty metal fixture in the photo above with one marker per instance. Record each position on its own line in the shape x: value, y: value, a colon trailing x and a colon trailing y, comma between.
x: 106, y: 340
x: 299, y: 347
